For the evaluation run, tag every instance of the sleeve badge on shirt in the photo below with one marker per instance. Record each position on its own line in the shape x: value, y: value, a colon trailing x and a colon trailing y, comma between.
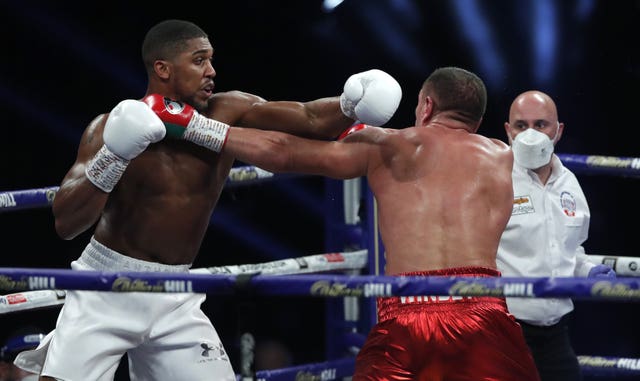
x: 522, y: 205
x: 568, y: 204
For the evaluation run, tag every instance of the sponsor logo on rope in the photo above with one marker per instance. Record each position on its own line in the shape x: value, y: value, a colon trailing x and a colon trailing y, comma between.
x: 16, y: 298
x: 617, y: 290
x: 30, y: 283
x: 471, y: 288
x: 334, y: 257
x: 377, y: 289
x: 626, y: 363
x: 327, y: 288
x: 603, y: 362
x: 9, y: 284
x: 612, y: 162
x: 221, y: 270
x: 597, y: 361
x: 41, y: 282
x: 325, y: 375
x: 262, y: 266
x: 125, y: 284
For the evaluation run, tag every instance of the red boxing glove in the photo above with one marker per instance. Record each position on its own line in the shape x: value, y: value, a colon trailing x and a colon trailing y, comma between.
x: 183, y: 121
x: 351, y: 130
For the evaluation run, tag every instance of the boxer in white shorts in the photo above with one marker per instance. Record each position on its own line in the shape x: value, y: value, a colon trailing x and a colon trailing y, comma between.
x: 157, y: 331
x: 148, y: 176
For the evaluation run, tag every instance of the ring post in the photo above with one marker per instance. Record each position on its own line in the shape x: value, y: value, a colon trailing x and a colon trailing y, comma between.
x: 375, y: 254
x: 334, y: 242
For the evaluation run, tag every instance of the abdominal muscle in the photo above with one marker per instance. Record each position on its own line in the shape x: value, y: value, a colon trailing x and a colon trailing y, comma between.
x: 161, y: 208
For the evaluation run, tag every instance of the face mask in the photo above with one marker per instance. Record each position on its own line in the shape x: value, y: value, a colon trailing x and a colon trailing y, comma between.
x: 532, y: 149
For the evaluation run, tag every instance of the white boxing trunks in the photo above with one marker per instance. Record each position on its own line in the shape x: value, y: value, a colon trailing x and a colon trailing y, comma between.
x: 167, y: 336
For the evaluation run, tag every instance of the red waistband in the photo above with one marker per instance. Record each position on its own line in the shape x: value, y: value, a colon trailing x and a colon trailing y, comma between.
x: 462, y: 271
x: 390, y: 307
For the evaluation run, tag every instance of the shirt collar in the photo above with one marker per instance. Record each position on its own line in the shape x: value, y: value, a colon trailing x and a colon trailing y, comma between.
x: 556, y: 170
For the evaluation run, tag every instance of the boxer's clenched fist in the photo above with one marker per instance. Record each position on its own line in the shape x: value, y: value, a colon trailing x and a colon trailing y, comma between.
x: 371, y: 97
x: 130, y: 128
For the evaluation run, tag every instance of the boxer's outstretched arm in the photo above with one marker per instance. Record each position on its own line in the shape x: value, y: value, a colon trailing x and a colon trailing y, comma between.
x: 319, y: 119
x: 281, y: 152
x: 370, y: 97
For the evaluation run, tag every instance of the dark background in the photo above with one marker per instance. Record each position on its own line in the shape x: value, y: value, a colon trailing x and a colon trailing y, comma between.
x: 62, y: 64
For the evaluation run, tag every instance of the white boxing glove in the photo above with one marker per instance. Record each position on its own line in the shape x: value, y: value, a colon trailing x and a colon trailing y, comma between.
x: 130, y: 128
x: 371, y: 97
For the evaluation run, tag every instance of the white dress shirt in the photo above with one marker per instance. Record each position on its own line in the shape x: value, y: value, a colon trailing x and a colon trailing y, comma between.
x: 544, y: 238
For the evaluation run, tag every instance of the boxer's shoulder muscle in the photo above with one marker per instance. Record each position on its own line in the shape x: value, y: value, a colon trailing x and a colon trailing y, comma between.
x: 229, y: 107
x: 94, y: 129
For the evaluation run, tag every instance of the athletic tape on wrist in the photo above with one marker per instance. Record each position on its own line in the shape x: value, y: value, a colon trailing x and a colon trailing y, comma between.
x: 105, y: 169
x: 206, y: 132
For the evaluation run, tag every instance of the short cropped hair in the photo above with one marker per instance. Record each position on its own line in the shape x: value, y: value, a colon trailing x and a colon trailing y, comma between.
x: 458, y: 90
x: 167, y: 39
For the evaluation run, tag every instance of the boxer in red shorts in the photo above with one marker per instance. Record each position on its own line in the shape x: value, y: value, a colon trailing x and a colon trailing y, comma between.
x: 444, y: 196
x: 453, y: 338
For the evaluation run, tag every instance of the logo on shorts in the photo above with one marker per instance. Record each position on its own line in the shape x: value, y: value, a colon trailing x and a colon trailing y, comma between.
x: 174, y: 107
x: 212, y: 353
x: 206, y: 348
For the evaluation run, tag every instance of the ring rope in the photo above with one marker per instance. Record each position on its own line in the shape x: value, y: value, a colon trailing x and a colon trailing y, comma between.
x: 597, y: 164
x: 43, y: 197
x: 22, y: 279
x: 328, y: 370
x: 345, y: 261
x: 609, y: 366
x: 334, y: 370
x: 355, y: 260
x: 312, y: 263
x: 245, y: 175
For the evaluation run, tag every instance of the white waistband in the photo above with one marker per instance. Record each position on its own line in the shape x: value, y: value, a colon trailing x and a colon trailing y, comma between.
x: 99, y: 257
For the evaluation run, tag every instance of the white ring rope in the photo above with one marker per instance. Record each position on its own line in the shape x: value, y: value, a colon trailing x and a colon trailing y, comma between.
x: 317, y: 263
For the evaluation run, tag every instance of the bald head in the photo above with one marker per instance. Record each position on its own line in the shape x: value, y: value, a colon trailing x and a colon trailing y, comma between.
x: 534, y: 109
x: 533, y: 105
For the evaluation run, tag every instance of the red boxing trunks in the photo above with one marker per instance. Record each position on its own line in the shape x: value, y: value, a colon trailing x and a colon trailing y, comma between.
x: 453, y: 338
